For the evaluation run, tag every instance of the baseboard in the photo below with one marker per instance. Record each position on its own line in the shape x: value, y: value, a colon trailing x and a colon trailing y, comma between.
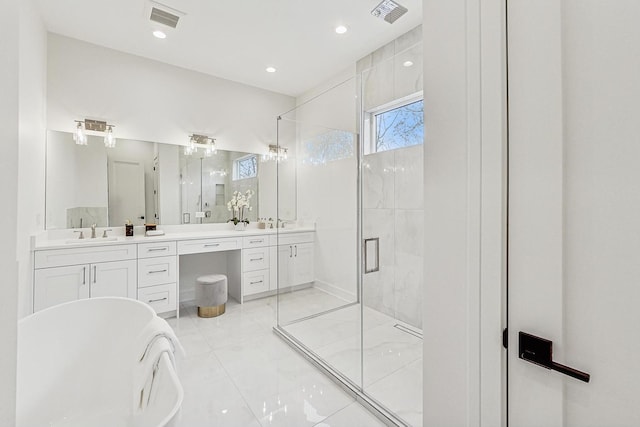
x: 335, y: 291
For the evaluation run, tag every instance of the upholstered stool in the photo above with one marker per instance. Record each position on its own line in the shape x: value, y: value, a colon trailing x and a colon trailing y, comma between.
x: 211, y: 295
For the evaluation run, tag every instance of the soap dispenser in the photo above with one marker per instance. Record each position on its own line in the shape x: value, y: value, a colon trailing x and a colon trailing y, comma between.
x: 128, y: 229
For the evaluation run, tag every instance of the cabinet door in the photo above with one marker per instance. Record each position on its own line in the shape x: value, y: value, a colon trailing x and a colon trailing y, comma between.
x: 285, y: 266
x: 113, y: 279
x: 303, y: 271
x: 56, y: 285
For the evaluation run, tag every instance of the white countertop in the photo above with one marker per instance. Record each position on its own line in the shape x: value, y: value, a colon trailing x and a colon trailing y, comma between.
x: 44, y: 242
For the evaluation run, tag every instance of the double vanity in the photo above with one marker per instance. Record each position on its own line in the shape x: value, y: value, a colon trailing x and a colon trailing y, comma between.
x: 148, y: 268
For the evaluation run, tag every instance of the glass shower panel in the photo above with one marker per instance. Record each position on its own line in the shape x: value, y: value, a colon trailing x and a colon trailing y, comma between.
x: 322, y: 315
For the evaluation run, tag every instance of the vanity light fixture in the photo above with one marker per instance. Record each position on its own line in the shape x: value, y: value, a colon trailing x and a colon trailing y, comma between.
x: 109, y: 139
x: 80, y: 135
x: 200, y: 141
x: 276, y: 153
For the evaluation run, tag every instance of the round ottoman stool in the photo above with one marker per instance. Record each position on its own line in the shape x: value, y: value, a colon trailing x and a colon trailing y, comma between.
x: 211, y: 295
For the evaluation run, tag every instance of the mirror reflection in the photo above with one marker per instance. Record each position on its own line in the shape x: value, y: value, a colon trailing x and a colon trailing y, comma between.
x: 148, y: 182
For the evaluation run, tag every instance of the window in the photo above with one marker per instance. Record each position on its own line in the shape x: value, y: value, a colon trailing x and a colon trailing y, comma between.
x: 245, y: 167
x: 397, y: 127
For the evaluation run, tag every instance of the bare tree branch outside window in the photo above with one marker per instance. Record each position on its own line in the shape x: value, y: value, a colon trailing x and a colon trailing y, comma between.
x: 400, y: 127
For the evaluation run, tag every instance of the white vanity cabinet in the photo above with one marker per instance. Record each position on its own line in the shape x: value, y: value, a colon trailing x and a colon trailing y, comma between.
x: 63, y: 275
x: 295, y: 259
x: 158, y: 275
x: 149, y: 270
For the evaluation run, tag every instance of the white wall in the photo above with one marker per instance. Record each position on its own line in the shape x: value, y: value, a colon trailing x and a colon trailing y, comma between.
x: 22, y: 59
x: 464, y: 92
x: 31, y: 163
x: 152, y: 101
x: 9, y: 67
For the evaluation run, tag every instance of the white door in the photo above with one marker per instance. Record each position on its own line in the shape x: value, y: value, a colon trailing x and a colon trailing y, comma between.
x: 126, y: 192
x: 114, y: 279
x: 56, y: 285
x: 574, y: 210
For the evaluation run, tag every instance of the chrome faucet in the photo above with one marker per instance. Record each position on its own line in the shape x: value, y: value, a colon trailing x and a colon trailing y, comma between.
x: 93, y: 231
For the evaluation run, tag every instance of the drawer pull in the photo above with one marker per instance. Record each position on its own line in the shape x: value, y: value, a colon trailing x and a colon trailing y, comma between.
x: 84, y: 275
x: 255, y: 283
x: 256, y: 259
x: 159, y: 299
x: 157, y: 271
x: 157, y: 249
x: 212, y: 245
x: 256, y: 241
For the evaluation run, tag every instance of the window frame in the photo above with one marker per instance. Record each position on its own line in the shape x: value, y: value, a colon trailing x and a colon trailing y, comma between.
x: 370, y: 123
x: 236, y: 167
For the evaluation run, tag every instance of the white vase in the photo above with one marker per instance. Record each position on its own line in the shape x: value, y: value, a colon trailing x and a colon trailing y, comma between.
x: 241, y: 226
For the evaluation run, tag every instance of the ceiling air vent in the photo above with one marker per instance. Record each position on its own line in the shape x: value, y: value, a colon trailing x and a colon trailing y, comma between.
x: 389, y: 10
x: 163, y: 17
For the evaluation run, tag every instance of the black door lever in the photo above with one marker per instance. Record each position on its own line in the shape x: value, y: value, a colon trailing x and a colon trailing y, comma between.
x: 540, y: 351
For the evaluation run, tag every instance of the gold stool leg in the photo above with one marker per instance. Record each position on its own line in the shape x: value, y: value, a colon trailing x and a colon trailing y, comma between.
x: 214, y: 311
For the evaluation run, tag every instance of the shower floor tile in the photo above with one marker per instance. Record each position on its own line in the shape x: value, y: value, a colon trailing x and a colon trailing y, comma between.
x: 390, y: 357
x: 238, y: 373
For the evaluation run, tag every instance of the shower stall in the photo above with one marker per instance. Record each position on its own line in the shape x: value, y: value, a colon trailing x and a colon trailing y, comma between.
x: 358, y: 153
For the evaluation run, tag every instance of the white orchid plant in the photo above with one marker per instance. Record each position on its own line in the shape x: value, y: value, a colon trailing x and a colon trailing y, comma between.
x: 240, y: 206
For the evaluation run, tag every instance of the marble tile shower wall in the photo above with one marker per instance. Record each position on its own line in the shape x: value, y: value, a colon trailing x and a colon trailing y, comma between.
x: 393, y: 207
x: 393, y: 210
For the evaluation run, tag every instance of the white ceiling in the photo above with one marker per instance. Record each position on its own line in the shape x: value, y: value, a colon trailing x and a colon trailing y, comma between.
x: 238, y: 39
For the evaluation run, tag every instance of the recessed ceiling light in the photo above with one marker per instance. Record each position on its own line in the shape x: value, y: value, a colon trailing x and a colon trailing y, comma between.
x: 159, y: 34
x: 270, y: 70
x: 407, y: 63
x: 341, y: 29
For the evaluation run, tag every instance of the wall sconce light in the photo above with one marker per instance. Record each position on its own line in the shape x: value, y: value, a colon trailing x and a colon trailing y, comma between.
x: 200, y: 141
x: 276, y: 153
x: 80, y: 135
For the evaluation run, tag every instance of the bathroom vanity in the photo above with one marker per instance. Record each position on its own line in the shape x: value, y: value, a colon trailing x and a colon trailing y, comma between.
x: 148, y: 268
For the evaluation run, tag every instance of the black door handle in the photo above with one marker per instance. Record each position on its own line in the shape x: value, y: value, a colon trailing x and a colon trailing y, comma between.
x: 540, y: 351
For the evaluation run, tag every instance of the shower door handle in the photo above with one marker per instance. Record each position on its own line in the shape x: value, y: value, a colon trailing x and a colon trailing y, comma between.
x: 371, y: 255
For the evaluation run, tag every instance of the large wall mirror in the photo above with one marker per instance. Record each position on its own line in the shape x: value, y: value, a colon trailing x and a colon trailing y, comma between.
x: 148, y: 182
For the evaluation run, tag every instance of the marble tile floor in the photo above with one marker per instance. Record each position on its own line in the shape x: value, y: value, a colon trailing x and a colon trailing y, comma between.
x: 391, y: 361
x: 237, y: 373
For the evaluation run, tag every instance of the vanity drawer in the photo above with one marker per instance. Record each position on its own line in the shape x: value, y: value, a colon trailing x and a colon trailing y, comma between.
x: 255, y: 241
x: 293, y: 238
x: 255, y: 259
x: 208, y: 245
x: 156, y: 271
x: 255, y: 282
x: 161, y: 298
x: 148, y: 250
x: 84, y: 255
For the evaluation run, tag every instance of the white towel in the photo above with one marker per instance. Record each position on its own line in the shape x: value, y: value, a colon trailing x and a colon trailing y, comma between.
x: 156, y: 338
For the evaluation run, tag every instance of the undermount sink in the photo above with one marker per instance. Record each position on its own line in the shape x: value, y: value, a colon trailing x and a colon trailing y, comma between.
x: 97, y: 240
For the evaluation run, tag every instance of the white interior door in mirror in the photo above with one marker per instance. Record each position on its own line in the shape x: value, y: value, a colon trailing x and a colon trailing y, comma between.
x: 126, y: 195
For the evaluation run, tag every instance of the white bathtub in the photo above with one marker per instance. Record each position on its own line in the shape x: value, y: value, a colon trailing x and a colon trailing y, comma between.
x: 79, y: 365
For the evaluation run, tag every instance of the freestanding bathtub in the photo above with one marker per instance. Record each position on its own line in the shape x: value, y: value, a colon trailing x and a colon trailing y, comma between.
x: 100, y: 362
